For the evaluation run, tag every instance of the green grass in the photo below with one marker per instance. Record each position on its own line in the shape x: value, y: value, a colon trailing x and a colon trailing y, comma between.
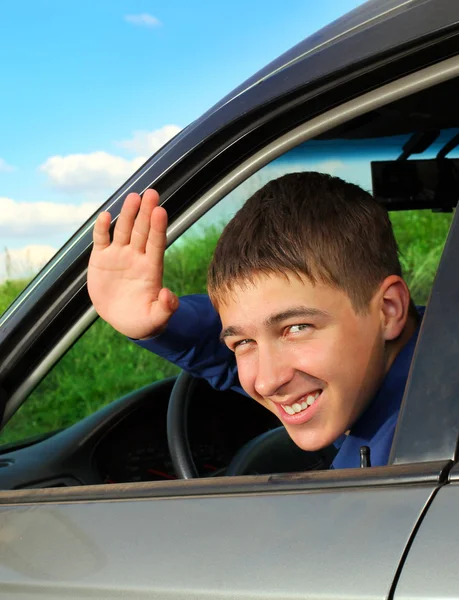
x: 9, y: 290
x: 103, y: 365
x: 421, y: 236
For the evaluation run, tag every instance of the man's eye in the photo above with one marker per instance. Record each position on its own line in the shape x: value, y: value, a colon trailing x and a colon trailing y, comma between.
x: 298, y: 328
x: 241, y: 343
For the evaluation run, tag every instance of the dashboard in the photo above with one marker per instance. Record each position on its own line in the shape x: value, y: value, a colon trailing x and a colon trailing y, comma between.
x: 136, y: 448
x: 126, y: 442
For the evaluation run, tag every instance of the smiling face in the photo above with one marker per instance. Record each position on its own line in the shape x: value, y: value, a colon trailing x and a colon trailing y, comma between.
x: 305, y: 354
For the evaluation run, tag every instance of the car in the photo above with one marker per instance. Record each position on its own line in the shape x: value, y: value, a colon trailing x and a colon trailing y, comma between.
x: 93, y: 509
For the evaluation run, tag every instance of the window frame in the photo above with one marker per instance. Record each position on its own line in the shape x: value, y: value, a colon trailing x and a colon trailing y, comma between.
x: 71, y: 262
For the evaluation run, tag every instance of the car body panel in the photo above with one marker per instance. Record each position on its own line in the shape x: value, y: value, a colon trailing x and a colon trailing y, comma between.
x: 454, y: 474
x: 430, y: 570
x: 312, y: 544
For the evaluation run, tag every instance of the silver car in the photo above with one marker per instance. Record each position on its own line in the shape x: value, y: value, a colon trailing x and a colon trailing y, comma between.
x: 107, y: 507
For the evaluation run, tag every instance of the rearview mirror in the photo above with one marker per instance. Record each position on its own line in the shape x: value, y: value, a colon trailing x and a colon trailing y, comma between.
x: 409, y: 184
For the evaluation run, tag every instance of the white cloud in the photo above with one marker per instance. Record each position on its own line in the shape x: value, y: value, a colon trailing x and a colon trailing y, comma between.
x: 41, y: 218
x: 143, y: 19
x: 24, y: 262
x: 146, y: 143
x: 101, y: 171
x: 5, y: 167
x: 89, y: 172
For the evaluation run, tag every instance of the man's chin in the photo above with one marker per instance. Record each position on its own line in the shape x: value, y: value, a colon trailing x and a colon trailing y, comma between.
x: 311, y: 441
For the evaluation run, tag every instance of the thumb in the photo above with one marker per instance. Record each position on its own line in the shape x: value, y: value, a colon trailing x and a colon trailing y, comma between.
x: 167, y: 303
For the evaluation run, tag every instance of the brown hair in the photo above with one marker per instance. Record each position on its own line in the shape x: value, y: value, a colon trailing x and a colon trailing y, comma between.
x: 308, y: 224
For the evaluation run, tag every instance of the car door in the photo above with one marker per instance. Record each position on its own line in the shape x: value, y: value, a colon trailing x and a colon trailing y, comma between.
x: 430, y: 570
x: 323, y: 534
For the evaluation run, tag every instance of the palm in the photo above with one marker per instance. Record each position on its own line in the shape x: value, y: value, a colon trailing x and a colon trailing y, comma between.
x: 125, y: 276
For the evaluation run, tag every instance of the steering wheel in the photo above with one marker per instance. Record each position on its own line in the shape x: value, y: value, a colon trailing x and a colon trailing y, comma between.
x: 177, y: 426
x: 267, y: 453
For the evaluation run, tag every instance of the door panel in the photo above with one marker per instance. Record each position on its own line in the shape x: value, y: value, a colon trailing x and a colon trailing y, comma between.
x: 431, y: 569
x: 318, y: 544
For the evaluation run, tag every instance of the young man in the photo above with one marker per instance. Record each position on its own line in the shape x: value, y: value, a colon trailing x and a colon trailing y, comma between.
x: 308, y: 311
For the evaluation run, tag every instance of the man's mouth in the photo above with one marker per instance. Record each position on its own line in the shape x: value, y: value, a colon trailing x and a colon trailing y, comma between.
x: 302, y: 404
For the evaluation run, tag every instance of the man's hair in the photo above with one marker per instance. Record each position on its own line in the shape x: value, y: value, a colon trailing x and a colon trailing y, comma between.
x: 308, y: 224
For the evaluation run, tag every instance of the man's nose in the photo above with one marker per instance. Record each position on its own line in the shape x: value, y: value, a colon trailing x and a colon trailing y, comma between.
x: 274, y: 370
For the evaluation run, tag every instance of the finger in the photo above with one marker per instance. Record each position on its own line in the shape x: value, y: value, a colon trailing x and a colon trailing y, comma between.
x: 101, y: 231
x: 156, y: 243
x: 125, y: 223
x: 166, y: 307
x: 168, y: 300
x: 141, y: 229
x: 162, y: 311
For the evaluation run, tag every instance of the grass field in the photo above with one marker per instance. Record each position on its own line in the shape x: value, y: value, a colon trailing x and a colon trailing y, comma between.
x: 103, y: 365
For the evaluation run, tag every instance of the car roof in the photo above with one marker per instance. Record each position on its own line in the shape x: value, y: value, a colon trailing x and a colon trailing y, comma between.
x: 364, y: 17
x: 374, y: 29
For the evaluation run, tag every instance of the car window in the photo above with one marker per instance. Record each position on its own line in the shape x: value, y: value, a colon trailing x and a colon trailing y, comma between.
x: 103, y: 366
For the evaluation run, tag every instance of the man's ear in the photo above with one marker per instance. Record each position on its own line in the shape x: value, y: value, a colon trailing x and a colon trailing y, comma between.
x: 395, y: 303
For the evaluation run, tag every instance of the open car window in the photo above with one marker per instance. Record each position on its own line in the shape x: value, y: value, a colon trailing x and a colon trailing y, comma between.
x: 102, y: 371
x: 103, y: 366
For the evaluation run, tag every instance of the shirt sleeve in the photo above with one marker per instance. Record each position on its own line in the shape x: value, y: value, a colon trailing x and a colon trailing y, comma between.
x: 191, y: 341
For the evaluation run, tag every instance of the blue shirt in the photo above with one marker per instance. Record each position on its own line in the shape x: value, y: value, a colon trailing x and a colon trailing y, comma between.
x: 191, y: 341
x: 375, y: 428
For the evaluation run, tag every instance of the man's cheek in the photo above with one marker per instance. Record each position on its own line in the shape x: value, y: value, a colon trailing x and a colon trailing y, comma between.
x: 246, y: 377
x: 318, y: 360
x: 247, y: 380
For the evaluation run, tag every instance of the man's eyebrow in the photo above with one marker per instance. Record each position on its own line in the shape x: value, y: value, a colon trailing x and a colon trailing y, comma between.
x: 297, y: 311
x: 229, y: 331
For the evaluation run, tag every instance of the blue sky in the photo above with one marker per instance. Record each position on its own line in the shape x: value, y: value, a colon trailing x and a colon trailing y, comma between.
x: 92, y: 88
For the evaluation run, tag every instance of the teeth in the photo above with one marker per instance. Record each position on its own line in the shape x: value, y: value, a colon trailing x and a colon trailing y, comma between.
x: 312, y: 398
x: 299, y: 406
